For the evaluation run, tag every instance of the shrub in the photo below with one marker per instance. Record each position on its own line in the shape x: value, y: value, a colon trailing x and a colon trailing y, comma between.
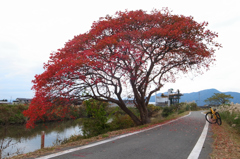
x: 95, y: 108
x: 92, y: 127
x: 168, y: 111
x: 181, y: 111
x: 191, y: 106
x: 231, y: 115
x: 194, y: 106
x: 231, y: 118
x: 97, y: 122
x: 152, y: 109
x: 121, y: 122
x: 187, y: 107
x: 182, y: 107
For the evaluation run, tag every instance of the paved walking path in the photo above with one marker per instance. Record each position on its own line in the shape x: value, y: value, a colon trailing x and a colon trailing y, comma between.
x: 182, y: 138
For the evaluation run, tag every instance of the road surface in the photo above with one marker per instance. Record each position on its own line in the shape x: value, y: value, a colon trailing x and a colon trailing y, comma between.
x: 174, y: 140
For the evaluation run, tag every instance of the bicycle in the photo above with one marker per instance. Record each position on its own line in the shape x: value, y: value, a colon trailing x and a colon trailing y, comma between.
x: 213, y: 117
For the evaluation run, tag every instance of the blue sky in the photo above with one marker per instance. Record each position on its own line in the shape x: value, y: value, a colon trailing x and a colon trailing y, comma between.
x: 31, y: 30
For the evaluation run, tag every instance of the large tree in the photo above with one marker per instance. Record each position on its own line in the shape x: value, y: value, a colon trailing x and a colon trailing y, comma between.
x: 132, y: 51
x: 219, y: 99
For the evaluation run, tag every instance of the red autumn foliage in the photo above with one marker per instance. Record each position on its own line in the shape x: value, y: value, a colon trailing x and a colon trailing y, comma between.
x: 131, y: 50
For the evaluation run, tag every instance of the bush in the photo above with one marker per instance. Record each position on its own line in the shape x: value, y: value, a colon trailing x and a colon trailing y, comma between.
x: 232, y: 118
x: 152, y: 109
x: 92, y: 127
x: 95, y: 108
x: 181, y: 111
x: 193, y: 106
x: 121, y: 122
x: 97, y: 122
x: 168, y: 111
x: 187, y: 107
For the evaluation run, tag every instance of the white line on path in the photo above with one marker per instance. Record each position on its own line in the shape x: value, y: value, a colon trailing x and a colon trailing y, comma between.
x: 198, y: 147
x: 105, y: 141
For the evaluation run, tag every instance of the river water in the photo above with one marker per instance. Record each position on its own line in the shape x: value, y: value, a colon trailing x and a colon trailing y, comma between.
x: 16, y: 139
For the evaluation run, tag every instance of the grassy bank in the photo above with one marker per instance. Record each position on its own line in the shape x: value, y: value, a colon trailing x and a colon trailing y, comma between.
x: 227, y: 136
x: 12, y: 114
x: 231, y: 115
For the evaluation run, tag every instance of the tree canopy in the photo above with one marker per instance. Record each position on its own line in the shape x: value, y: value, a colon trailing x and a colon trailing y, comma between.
x: 131, y: 51
x: 219, y: 99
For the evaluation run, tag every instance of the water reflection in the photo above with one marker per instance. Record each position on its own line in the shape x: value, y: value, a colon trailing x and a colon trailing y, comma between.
x: 16, y: 139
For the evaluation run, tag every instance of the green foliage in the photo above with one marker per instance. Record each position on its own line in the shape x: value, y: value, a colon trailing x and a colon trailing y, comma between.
x: 135, y: 111
x: 168, y: 111
x: 99, y: 114
x: 181, y: 111
x: 193, y: 106
x: 218, y: 99
x: 114, y: 110
x: 232, y: 118
x: 118, y: 110
x: 97, y: 122
x: 121, y: 122
x: 179, y: 108
x: 152, y: 109
x: 93, y: 127
x: 182, y: 107
x: 187, y: 107
x: 70, y: 139
x: 96, y: 109
x: 12, y: 114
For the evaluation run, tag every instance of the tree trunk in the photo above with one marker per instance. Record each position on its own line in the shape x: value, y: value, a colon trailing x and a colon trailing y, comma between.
x: 144, y: 113
x: 141, y: 106
x: 130, y: 113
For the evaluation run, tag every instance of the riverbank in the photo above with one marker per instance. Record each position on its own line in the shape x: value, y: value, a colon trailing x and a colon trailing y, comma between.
x: 76, y: 141
x: 13, y: 114
x: 16, y: 139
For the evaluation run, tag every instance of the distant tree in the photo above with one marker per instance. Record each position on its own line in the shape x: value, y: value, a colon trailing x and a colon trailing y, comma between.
x: 218, y: 99
x: 132, y: 50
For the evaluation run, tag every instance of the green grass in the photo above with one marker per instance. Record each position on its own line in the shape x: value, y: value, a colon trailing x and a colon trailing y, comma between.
x: 232, y: 119
x: 12, y: 114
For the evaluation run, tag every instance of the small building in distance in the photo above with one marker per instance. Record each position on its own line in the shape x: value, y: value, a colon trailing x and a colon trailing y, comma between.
x: 4, y: 101
x: 22, y: 101
x: 168, y: 99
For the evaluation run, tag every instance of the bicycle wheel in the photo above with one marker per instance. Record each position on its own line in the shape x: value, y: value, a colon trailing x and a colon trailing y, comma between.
x: 219, y: 120
x: 209, y: 117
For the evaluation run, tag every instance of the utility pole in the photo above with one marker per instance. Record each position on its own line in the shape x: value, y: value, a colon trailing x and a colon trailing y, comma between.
x: 199, y: 98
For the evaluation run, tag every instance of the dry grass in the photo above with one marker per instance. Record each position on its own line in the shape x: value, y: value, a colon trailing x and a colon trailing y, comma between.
x: 226, y: 142
x: 80, y: 142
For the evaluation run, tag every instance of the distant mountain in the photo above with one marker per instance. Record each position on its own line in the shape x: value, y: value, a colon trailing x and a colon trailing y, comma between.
x: 200, y: 96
